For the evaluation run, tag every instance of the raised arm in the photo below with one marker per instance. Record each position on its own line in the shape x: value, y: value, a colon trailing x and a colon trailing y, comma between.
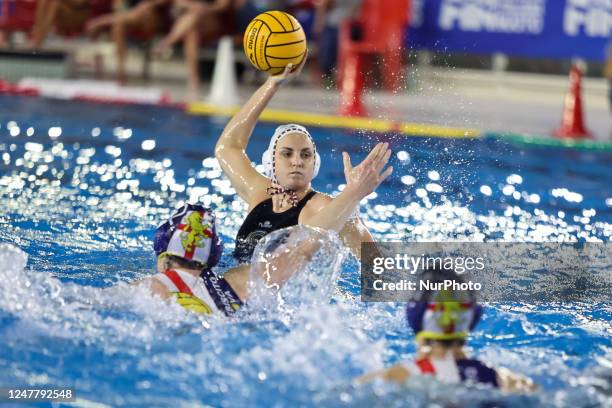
x: 230, y: 148
x: 353, y: 234
x: 361, y: 181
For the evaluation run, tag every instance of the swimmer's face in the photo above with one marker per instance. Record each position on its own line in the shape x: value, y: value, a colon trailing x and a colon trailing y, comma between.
x: 294, y: 160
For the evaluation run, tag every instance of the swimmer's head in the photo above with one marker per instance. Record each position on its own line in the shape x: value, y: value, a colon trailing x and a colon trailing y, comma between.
x: 443, y: 315
x: 291, y: 159
x: 189, y: 239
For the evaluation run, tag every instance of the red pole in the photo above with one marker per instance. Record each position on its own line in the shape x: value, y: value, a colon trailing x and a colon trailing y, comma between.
x: 352, y: 85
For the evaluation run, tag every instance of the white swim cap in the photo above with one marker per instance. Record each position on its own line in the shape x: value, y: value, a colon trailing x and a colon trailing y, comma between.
x: 267, y: 158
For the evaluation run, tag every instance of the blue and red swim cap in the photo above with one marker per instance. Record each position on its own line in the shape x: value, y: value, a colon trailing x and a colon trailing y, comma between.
x: 191, y: 234
x: 443, y: 314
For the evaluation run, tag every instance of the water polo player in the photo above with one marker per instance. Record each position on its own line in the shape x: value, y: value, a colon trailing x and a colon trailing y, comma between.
x: 188, y: 247
x: 284, y: 196
x: 441, y: 321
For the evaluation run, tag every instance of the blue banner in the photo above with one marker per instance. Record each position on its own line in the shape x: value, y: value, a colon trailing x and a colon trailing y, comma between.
x: 529, y: 28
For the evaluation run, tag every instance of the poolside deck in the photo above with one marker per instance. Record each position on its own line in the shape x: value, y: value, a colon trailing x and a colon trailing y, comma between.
x: 501, y: 102
x: 439, y: 100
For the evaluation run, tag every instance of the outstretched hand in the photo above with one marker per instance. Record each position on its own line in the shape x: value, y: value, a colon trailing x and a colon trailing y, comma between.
x: 290, y: 72
x: 367, y: 176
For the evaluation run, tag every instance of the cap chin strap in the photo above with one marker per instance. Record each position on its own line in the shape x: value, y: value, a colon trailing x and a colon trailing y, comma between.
x: 427, y: 335
x: 291, y: 195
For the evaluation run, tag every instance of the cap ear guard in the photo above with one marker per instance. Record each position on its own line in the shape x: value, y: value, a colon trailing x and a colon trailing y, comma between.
x: 266, y: 160
x: 162, y: 237
x: 164, y: 232
x: 476, y: 315
x: 216, y: 249
x: 414, y: 315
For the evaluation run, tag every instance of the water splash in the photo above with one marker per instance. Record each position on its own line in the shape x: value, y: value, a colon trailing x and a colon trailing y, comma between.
x: 295, y: 267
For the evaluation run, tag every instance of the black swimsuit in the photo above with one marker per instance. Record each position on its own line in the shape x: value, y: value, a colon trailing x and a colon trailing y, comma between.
x: 261, y: 221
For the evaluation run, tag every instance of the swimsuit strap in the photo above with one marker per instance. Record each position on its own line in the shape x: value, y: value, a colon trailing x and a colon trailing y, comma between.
x: 426, y: 366
x: 178, y: 282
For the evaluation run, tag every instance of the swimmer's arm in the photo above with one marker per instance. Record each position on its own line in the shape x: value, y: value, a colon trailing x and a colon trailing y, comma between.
x: 398, y: 374
x: 155, y: 286
x: 230, y: 148
x: 361, y: 181
x: 353, y: 233
x: 512, y: 382
x: 238, y: 278
x: 334, y: 214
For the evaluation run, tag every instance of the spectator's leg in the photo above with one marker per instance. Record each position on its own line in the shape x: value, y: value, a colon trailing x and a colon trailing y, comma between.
x: 46, y: 12
x: 66, y: 14
x: 138, y: 14
x: 72, y: 15
x: 3, y: 39
x: 106, y: 20
x: 118, y: 34
x: 41, y: 6
x: 184, y: 24
x: 192, y: 48
x: 41, y: 11
x: 144, y: 16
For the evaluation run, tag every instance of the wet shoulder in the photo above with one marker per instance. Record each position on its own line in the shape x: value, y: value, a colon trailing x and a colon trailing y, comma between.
x: 315, y: 204
x: 318, y: 201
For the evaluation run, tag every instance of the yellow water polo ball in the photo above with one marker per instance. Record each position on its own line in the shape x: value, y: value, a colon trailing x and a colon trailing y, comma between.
x: 274, y: 39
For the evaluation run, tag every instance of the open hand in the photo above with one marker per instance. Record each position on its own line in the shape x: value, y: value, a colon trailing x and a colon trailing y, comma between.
x: 367, y: 176
x: 290, y: 72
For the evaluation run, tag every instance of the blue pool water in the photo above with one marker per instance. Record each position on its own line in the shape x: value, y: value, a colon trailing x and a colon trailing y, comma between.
x: 83, y: 186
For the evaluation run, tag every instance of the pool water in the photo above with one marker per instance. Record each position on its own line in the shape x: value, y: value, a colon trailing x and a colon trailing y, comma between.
x: 83, y: 186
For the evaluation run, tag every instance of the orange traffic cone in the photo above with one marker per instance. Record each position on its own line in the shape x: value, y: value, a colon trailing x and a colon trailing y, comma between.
x: 572, y: 123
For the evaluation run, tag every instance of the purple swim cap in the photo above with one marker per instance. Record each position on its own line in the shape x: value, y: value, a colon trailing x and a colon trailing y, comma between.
x: 191, y: 234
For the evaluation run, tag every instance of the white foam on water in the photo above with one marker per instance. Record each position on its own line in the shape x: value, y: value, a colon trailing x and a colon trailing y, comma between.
x: 310, y: 258
x: 48, y: 307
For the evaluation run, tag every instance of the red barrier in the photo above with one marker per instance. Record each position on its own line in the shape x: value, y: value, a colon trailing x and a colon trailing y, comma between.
x: 13, y: 89
x: 572, y: 123
x: 352, y: 86
x: 17, y: 15
x: 379, y: 29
